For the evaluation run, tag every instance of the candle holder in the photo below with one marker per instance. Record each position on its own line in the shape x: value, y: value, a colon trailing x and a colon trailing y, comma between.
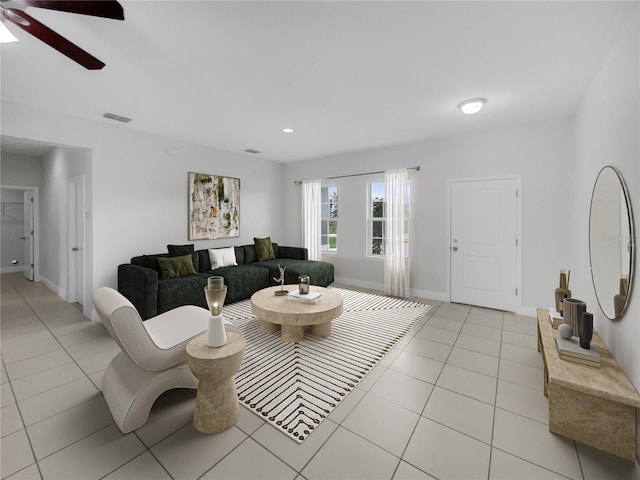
x: 303, y: 284
x: 215, y: 292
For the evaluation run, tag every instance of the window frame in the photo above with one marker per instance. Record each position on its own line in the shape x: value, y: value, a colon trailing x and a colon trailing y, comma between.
x: 325, y: 247
x: 371, y: 219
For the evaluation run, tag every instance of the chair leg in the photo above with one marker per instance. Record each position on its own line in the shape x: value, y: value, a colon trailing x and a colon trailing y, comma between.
x: 130, y: 390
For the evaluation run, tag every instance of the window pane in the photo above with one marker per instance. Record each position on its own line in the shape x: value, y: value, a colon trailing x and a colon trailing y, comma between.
x: 324, y: 228
x: 333, y: 226
x: 376, y: 246
x: 324, y: 210
x: 377, y: 229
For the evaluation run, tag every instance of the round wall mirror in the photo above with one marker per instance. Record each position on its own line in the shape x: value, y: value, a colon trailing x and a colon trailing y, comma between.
x: 611, y: 242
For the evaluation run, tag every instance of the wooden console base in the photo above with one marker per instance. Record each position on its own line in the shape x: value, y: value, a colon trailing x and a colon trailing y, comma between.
x: 594, y: 406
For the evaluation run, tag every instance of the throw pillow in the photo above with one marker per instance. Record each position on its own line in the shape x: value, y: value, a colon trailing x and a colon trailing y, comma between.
x: 179, y: 250
x: 222, y: 257
x: 264, y: 249
x: 176, y: 266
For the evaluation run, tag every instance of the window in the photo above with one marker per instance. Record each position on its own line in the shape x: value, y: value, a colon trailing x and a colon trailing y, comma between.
x: 329, y: 221
x: 376, y: 221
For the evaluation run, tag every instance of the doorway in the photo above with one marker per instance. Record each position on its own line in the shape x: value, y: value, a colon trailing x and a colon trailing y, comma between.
x: 484, y: 243
x: 20, y: 232
x: 76, y: 240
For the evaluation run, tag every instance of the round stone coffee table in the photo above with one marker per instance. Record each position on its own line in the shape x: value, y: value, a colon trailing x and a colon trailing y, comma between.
x: 279, y: 313
x: 217, y: 405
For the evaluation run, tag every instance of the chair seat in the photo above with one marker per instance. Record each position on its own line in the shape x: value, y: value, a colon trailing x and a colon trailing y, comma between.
x: 174, y: 329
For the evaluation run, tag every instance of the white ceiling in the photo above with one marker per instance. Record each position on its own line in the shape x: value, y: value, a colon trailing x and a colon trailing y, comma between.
x: 346, y: 76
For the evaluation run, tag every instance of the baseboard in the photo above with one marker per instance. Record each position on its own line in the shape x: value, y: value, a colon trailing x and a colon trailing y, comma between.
x: 360, y: 284
x: 429, y: 295
x: 61, y: 292
x: 528, y: 311
x: 11, y: 269
x: 426, y: 294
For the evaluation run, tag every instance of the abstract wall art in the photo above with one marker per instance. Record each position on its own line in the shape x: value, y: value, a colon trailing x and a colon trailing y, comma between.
x: 214, y: 206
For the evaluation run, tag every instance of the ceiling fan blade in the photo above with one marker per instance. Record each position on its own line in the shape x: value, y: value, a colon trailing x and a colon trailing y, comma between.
x: 97, y: 8
x: 51, y: 38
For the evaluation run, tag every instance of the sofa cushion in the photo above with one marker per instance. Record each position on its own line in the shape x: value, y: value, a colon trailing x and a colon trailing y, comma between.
x: 264, y: 249
x: 241, y: 281
x: 176, y: 266
x: 222, y: 257
x: 187, y: 290
x: 179, y: 250
x: 149, y: 261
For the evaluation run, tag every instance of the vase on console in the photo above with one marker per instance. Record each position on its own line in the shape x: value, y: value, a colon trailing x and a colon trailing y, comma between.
x: 586, y: 330
x: 573, y: 310
x: 215, y: 292
x: 562, y: 291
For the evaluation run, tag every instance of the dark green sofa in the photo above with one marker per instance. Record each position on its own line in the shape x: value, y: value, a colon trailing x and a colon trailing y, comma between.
x: 140, y: 281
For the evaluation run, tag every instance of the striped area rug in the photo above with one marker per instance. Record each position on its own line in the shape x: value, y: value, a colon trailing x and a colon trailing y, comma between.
x: 294, y: 386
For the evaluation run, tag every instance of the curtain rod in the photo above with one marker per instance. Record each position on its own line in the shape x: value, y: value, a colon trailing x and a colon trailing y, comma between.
x: 417, y: 168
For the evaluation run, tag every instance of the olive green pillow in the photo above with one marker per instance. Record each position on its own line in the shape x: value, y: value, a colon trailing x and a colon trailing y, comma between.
x: 176, y: 266
x: 264, y: 249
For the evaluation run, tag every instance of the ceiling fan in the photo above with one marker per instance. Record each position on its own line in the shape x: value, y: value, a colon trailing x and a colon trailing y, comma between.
x: 13, y: 11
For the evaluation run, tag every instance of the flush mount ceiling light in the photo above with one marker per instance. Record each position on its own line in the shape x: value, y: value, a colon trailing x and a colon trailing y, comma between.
x: 471, y: 106
x: 287, y: 130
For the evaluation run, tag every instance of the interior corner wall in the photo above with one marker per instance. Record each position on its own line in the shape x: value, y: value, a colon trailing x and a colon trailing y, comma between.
x: 140, y: 191
x: 608, y: 133
x: 540, y: 152
x: 59, y: 166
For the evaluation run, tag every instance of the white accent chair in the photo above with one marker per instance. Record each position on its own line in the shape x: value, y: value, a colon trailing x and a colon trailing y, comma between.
x: 153, y: 357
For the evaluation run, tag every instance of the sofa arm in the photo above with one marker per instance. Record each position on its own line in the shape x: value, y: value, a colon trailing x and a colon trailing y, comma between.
x: 294, y: 253
x: 140, y: 286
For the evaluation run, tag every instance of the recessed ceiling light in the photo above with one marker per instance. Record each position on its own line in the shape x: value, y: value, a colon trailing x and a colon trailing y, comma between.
x: 5, y: 35
x: 471, y: 106
x: 287, y: 130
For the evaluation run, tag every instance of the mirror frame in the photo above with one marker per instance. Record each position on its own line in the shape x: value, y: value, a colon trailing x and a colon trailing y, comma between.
x: 632, y: 241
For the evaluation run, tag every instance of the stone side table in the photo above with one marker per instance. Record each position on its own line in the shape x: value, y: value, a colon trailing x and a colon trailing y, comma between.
x: 217, y: 406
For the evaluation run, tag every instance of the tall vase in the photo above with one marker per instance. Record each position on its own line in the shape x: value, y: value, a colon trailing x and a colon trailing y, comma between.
x: 573, y: 310
x: 586, y: 330
x: 562, y: 292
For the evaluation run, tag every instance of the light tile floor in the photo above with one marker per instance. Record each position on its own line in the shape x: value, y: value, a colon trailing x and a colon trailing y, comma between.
x: 459, y: 397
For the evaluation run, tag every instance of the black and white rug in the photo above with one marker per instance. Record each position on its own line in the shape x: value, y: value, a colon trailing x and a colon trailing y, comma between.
x: 294, y: 386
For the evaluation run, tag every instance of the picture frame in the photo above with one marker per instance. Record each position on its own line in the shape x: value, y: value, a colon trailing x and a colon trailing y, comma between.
x: 214, y: 206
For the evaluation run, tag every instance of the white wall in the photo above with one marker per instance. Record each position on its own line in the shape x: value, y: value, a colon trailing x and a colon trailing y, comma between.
x: 541, y: 153
x: 608, y: 133
x: 17, y: 171
x: 139, y: 202
x: 20, y: 170
x: 59, y: 166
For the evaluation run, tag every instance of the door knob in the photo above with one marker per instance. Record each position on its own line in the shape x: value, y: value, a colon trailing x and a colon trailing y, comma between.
x: 455, y: 249
x: 74, y: 249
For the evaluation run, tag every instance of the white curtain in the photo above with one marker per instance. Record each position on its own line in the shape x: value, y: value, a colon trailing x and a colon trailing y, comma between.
x: 311, y: 217
x: 396, y: 274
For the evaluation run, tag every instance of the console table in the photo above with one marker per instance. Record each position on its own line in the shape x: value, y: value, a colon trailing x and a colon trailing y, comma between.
x: 594, y: 406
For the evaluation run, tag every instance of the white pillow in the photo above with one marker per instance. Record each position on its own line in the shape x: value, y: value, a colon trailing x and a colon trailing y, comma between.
x: 222, y: 257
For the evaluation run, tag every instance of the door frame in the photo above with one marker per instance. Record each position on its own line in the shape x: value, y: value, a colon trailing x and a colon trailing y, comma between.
x: 518, y: 179
x: 36, y: 225
x: 74, y: 184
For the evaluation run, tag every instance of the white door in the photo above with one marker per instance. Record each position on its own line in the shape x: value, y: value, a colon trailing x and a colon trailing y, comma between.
x: 76, y: 210
x: 28, y: 234
x: 484, y: 239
